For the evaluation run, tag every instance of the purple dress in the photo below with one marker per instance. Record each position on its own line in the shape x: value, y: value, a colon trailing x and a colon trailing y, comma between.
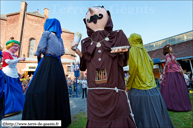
x: 173, y: 88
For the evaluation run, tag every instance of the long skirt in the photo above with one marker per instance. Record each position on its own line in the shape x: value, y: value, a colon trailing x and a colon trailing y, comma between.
x: 108, y: 109
x: 47, y: 94
x: 14, y: 99
x: 2, y: 99
x: 175, y: 92
x: 149, y: 109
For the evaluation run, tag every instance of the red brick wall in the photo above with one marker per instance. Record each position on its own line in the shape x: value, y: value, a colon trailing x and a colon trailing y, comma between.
x: 67, y: 37
x: 33, y: 29
x: 20, y: 67
x: 2, y: 29
x: 10, y: 29
x: 179, y: 50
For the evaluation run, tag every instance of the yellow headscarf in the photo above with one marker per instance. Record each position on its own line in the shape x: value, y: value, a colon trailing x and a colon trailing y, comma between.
x: 140, y: 65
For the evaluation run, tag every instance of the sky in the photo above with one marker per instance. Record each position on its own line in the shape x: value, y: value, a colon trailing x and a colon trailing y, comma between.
x: 153, y: 20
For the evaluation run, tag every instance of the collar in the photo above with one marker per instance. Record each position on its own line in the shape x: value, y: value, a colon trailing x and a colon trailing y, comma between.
x: 12, y: 54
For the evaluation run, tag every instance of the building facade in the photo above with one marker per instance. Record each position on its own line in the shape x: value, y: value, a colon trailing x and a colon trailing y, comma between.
x: 182, y: 47
x: 27, y: 28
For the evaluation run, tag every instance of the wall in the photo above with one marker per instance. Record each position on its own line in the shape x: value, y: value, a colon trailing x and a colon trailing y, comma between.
x: 33, y: 29
x: 2, y: 32
x: 10, y: 29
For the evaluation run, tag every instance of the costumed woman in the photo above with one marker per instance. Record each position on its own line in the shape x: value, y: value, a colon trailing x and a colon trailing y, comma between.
x: 147, y: 103
x: 14, y: 99
x: 107, y: 103
x: 173, y: 86
x: 2, y: 84
x: 47, y: 94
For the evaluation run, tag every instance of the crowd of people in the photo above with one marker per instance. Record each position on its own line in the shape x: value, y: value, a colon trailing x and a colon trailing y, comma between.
x: 112, y: 101
x: 79, y: 89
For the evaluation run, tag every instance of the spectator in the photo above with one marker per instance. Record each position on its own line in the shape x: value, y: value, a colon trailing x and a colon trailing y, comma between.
x: 66, y: 78
x: 160, y: 78
x: 70, y: 85
x: 186, y: 77
x: 78, y: 80
x: 79, y: 86
x: 22, y: 76
x: 69, y: 81
x: 74, y: 84
x: 84, y: 87
x: 127, y: 76
x: 31, y: 76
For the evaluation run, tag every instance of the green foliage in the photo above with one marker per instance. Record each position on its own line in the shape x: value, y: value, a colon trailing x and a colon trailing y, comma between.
x: 182, y: 119
x: 79, y: 120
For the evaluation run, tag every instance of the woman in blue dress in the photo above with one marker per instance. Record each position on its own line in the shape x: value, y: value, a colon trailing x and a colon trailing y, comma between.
x: 47, y: 94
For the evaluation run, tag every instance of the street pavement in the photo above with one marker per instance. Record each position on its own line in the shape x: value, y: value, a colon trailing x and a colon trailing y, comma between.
x: 77, y: 105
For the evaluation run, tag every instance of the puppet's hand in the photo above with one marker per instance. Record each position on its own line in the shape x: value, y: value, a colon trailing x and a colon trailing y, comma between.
x: 78, y: 52
x: 35, y: 54
x: 126, y: 89
x: 73, y: 44
x: 21, y: 59
x: 181, y: 71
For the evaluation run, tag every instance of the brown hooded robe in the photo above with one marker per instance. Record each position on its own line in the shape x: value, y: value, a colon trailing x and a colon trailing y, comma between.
x: 106, y: 108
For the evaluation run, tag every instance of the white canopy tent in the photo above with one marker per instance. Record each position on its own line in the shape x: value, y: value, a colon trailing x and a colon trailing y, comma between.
x: 126, y: 68
x: 155, y: 67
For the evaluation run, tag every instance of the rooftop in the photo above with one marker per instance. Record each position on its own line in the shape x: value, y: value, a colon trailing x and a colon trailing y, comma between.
x: 3, y: 16
x: 36, y: 13
x: 183, y: 37
x: 65, y: 30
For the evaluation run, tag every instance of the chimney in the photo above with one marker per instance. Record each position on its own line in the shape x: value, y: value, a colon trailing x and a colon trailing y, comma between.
x: 23, y: 10
x: 46, y: 13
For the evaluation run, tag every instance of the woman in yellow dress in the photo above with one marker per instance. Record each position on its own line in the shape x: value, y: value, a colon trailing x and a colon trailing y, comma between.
x: 146, y: 101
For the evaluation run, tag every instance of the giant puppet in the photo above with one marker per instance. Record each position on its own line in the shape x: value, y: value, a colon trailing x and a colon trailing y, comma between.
x: 173, y: 87
x: 47, y: 94
x: 148, y: 106
x: 14, y: 99
x: 103, y: 54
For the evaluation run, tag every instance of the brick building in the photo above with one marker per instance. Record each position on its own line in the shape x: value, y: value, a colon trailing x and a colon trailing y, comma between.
x: 182, y: 47
x: 27, y: 27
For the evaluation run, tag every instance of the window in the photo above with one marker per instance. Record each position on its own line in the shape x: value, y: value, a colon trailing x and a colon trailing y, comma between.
x: 31, y: 48
x: 68, y: 68
x: 32, y: 67
x: 101, y: 76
